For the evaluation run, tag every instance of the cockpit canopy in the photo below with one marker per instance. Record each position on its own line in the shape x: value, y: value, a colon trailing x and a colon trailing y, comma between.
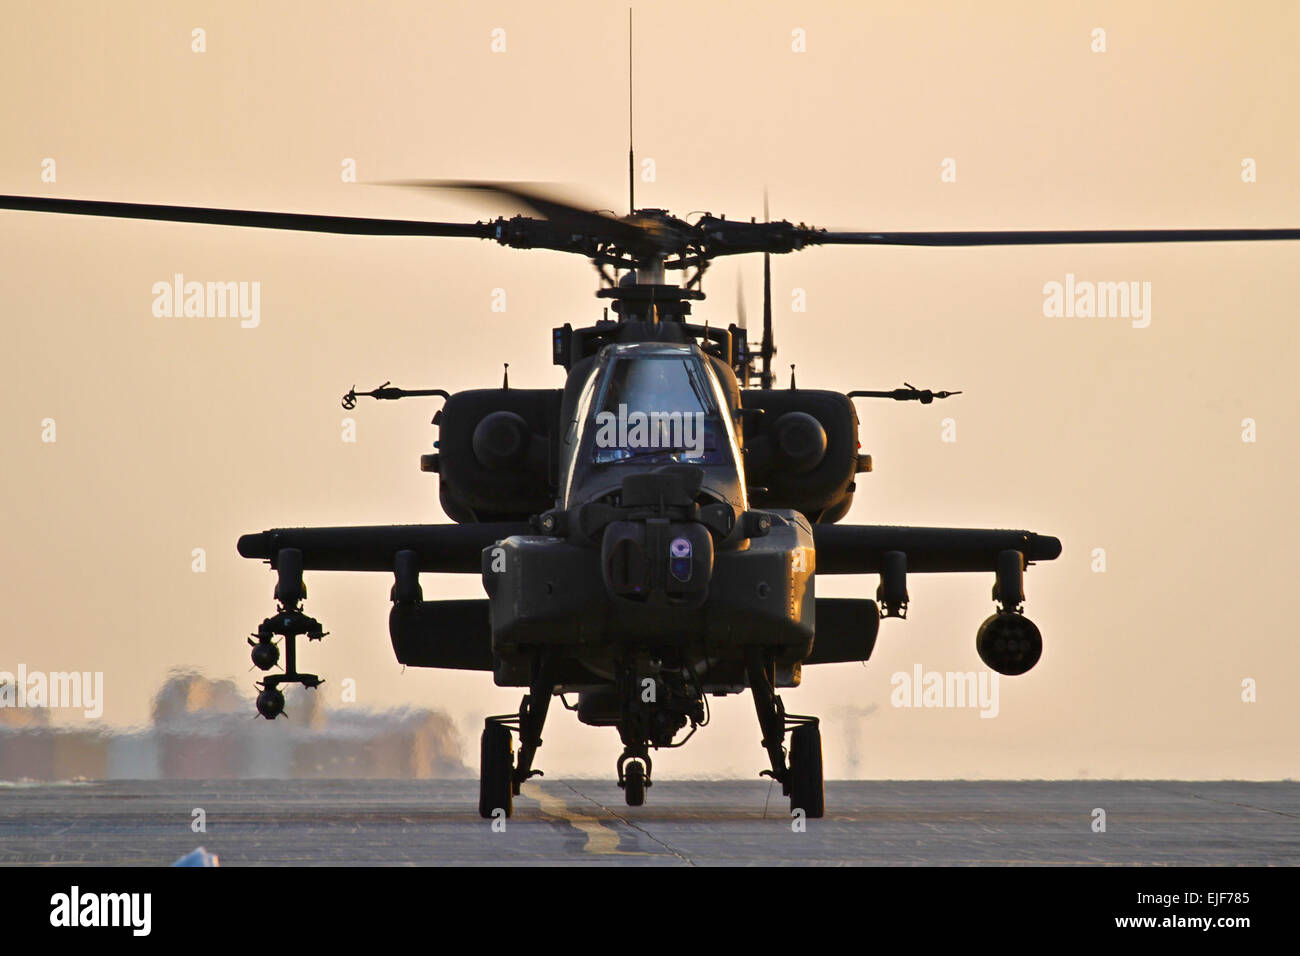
x: 649, y: 404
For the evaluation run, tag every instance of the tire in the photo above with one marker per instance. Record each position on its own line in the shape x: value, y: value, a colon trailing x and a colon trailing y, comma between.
x: 495, y: 771
x: 806, y: 791
x: 634, y: 783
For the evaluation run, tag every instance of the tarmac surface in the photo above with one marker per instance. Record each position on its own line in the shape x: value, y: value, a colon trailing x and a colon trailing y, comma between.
x: 585, y: 822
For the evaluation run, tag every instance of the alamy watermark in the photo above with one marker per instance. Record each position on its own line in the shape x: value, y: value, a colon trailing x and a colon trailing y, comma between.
x: 74, y: 908
x: 1085, y: 299
x: 55, y: 689
x: 208, y: 300
x: 921, y: 688
x: 683, y: 431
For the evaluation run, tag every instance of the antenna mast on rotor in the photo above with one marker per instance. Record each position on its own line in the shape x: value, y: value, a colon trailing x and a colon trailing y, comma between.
x: 769, y: 345
x: 631, y: 179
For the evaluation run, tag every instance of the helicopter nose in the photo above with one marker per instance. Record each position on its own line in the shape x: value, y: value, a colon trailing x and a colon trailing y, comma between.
x: 657, y: 561
x: 626, y: 571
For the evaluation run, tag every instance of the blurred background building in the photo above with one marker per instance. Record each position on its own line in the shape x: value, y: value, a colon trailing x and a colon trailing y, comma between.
x: 207, y: 729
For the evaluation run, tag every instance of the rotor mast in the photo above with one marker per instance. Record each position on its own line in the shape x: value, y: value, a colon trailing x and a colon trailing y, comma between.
x: 631, y: 176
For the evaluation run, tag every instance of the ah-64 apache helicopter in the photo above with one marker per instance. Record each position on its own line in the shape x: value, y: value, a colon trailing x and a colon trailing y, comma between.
x: 650, y: 533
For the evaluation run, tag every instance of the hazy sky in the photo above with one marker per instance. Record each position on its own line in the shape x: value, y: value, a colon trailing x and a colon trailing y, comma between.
x: 182, y: 433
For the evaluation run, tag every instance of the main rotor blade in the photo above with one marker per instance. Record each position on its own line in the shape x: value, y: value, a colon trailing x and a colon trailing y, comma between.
x: 1049, y: 237
x: 545, y: 203
x: 344, y: 225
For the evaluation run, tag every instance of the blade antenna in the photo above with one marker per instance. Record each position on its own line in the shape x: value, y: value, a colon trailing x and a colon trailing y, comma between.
x: 631, y: 179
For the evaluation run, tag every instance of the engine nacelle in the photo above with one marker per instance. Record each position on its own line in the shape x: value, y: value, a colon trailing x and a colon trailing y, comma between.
x: 500, y: 441
x: 800, y: 442
x: 1009, y: 643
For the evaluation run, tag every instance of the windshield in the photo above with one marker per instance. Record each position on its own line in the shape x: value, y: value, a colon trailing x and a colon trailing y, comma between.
x: 648, y: 404
x: 657, y: 407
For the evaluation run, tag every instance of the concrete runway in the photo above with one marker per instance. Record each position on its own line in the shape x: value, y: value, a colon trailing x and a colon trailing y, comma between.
x: 683, y: 823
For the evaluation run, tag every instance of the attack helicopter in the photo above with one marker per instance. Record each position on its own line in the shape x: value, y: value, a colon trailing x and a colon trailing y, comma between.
x: 648, y: 535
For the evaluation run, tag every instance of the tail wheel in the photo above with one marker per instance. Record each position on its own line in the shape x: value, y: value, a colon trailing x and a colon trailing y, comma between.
x: 634, y: 783
x: 806, y: 791
x: 495, y: 771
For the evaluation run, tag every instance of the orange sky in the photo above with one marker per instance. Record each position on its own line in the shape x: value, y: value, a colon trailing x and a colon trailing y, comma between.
x: 175, y: 434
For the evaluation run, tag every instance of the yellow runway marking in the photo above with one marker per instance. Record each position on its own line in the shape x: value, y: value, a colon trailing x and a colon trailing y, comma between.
x: 600, y: 838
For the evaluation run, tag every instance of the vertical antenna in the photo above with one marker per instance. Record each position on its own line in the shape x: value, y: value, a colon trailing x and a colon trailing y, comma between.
x: 631, y: 179
x: 769, y: 345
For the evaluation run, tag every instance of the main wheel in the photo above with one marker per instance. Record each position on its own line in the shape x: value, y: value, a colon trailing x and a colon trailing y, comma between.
x: 634, y: 783
x: 806, y: 791
x: 495, y: 771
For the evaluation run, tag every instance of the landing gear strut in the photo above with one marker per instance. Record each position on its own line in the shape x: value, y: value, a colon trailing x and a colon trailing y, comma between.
x: 499, y: 775
x: 801, y: 781
x: 657, y: 702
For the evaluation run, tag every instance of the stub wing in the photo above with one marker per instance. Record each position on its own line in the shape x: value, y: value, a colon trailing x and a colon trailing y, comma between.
x: 446, y: 548
x: 862, y: 549
x: 1007, y: 641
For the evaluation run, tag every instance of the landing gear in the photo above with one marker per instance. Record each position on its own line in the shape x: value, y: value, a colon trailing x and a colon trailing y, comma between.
x: 634, y: 783
x: 634, y: 773
x: 496, y: 769
x: 651, y: 703
x: 801, y: 781
x: 806, y: 791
